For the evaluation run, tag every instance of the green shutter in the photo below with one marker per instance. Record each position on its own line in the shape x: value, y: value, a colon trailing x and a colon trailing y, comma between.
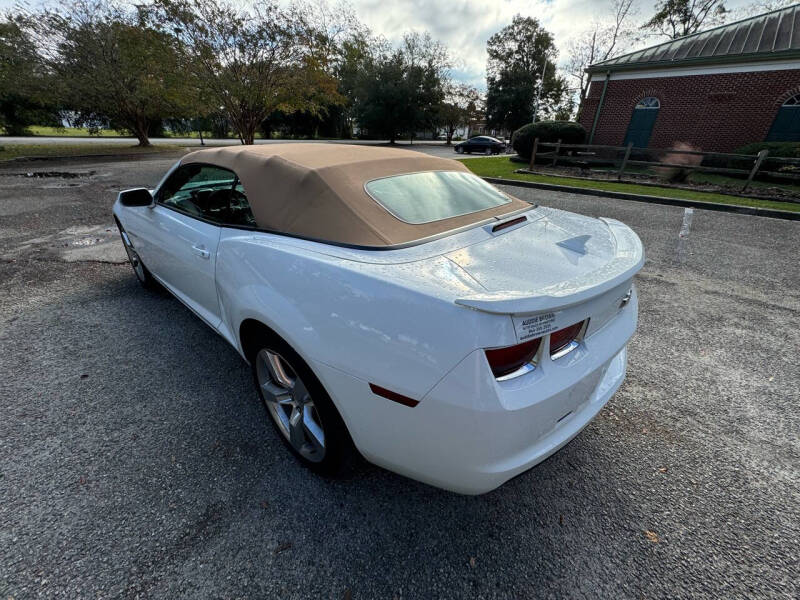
x: 641, y: 126
x: 786, y: 126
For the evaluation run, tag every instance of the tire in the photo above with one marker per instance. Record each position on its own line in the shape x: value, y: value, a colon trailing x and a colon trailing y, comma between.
x: 460, y: 150
x: 142, y: 274
x: 488, y: 152
x: 301, y: 411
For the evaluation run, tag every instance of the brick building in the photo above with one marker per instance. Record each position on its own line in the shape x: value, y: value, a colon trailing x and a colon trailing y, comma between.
x: 717, y: 90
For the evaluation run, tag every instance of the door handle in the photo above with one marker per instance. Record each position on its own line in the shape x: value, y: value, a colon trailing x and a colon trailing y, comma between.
x: 201, y: 251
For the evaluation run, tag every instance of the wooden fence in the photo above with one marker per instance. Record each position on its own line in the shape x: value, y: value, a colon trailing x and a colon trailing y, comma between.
x: 624, y: 157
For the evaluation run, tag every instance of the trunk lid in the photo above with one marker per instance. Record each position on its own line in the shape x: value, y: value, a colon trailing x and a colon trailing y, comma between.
x: 552, y: 262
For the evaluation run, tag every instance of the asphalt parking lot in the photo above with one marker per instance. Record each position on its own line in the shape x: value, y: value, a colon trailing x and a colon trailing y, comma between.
x: 136, y: 462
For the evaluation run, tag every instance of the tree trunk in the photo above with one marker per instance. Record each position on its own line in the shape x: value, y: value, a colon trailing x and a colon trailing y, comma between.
x: 141, y: 135
x: 139, y: 128
x: 200, y: 131
x: 248, y: 133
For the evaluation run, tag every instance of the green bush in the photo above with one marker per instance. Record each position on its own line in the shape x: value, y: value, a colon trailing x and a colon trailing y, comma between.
x: 568, y: 132
x: 784, y: 149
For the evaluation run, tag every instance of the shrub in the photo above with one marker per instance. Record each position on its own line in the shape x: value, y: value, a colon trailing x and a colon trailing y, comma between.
x: 568, y: 132
x: 784, y: 149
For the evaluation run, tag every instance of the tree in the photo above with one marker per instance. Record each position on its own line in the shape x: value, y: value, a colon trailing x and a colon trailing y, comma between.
x: 355, y: 58
x: 460, y: 107
x: 25, y: 83
x: 599, y: 42
x: 400, y: 91
x: 517, y: 57
x: 252, y: 61
x: 112, y: 69
x: 678, y: 18
x: 427, y: 68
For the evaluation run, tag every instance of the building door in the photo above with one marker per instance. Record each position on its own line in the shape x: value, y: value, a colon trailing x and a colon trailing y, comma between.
x: 642, y: 122
x: 786, y: 126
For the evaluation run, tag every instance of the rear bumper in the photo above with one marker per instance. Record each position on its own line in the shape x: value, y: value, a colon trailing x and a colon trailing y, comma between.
x: 471, y: 433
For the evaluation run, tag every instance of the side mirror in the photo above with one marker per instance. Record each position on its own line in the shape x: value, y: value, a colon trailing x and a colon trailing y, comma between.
x: 135, y: 197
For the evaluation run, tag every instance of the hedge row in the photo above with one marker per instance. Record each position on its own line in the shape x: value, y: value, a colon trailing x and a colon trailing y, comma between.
x: 568, y: 132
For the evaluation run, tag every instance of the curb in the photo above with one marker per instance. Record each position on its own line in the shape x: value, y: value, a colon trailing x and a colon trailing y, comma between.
x: 732, y: 208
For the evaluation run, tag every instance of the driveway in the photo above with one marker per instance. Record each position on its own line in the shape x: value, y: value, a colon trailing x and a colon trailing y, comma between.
x: 136, y: 462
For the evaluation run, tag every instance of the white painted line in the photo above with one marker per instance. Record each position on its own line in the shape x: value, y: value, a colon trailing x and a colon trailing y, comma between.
x: 683, y: 235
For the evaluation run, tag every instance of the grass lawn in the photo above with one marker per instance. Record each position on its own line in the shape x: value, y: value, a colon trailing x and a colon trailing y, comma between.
x: 41, y: 130
x: 44, y: 150
x: 503, y: 167
x: 72, y: 132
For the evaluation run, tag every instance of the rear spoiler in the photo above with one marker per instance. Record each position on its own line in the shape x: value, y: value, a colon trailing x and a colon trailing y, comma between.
x: 628, y: 261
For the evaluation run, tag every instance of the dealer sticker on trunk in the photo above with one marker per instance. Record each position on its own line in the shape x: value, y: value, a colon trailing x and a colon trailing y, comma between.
x: 535, y: 326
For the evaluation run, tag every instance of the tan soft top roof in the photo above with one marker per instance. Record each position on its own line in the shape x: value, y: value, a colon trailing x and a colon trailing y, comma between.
x: 317, y: 190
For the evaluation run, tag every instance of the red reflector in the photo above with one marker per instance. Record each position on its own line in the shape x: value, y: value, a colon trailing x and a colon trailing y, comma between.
x: 509, y: 223
x: 404, y: 400
x: 563, y: 337
x: 507, y: 360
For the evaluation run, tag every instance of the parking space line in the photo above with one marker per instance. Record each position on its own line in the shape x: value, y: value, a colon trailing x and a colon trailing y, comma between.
x: 683, y: 235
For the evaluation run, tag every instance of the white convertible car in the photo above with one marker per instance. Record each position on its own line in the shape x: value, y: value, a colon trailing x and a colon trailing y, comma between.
x: 394, y: 303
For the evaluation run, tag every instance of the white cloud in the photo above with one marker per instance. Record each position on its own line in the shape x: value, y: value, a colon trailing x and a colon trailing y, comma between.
x: 464, y: 26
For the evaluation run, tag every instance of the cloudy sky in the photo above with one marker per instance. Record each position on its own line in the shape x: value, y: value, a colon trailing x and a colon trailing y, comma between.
x: 465, y: 25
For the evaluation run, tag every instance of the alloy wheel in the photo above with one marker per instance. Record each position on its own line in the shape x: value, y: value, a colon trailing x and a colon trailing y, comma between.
x: 290, y: 405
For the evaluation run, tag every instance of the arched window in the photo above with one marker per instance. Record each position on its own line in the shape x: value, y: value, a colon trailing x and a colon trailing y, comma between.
x: 786, y: 126
x: 642, y: 122
x: 649, y: 103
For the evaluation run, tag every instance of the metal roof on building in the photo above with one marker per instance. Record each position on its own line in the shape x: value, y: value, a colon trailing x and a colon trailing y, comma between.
x: 770, y: 36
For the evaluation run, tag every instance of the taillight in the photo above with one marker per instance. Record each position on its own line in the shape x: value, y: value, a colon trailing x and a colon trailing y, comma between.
x: 561, y: 341
x: 507, y: 360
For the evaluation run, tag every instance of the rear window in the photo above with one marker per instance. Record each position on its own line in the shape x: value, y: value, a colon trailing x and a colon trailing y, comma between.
x: 434, y: 195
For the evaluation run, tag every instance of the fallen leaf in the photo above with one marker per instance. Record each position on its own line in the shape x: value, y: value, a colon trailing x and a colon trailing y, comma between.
x: 651, y: 536
x: 472, y: 562
x: 264, y: 504
x: 347, y: 594
x: 662, y: 469
x: 82, y: 480
x: 560, y: 519
x: 283, y: 547
x: 771, y: 378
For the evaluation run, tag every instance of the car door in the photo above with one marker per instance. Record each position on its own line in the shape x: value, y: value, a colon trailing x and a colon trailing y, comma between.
x: 181, y: 234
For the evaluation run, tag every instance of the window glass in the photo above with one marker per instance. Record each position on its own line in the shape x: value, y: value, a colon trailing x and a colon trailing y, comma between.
x: 207, y: 192
x: 435, y: 195
x: 793, y: 101
x: 648, y: 102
